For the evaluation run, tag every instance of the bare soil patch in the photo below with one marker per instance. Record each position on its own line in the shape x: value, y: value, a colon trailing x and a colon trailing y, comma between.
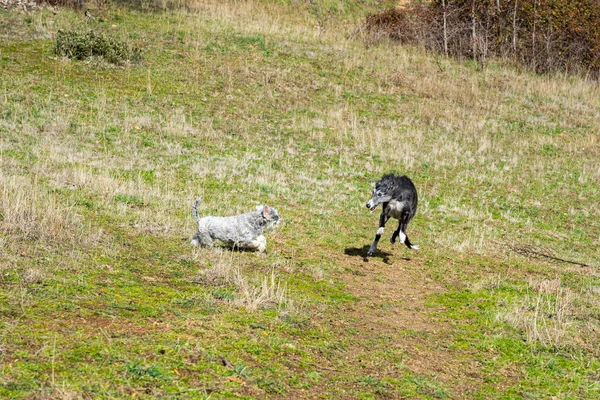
x: 392, y: 289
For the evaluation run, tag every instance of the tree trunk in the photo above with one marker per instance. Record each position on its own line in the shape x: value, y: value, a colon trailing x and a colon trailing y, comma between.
x: 445, y: 15
x: 514, y: 32
x: 533, y: 50
x: 473, y: 29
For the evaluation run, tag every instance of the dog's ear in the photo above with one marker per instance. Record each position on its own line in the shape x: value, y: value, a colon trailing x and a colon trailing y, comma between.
x: 266, y: 211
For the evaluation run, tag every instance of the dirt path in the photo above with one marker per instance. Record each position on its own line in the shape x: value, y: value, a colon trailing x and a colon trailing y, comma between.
x: 392, y: 292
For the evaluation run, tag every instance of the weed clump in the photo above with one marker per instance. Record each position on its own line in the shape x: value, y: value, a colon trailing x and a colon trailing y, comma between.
x: 79, y: 45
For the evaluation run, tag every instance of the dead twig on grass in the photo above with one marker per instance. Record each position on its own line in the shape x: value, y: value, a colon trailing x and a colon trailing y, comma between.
x: 530, y: 251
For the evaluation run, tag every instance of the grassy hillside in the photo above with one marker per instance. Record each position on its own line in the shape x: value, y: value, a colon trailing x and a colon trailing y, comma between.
x: 245, y: 103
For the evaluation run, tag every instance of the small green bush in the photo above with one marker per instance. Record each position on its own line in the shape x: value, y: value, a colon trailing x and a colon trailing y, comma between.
x: 80, y: 45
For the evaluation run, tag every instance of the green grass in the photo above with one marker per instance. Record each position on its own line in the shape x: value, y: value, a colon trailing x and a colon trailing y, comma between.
x: 288, y: 104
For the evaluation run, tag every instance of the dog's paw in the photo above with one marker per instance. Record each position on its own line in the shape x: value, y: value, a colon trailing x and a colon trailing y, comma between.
x: 380, y: 231
x: 414, y: 247
x: 392, y: 240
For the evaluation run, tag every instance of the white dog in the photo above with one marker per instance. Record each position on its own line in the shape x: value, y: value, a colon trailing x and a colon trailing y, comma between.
x: 240, y: 231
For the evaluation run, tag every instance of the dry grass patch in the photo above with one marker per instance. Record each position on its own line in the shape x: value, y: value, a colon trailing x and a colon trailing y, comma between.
x: 271, y: 293
x: 251, y: 17
x: 551, y: 314
x: 154, y: 207
x: 268, y: 293
x: 30, y: 212
x: 33, y: 275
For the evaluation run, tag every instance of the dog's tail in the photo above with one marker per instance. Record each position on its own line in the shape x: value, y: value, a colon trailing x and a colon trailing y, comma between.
x: 195, y: 209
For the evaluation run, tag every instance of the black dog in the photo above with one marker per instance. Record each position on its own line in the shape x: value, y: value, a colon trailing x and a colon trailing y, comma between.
x: 399, y: 197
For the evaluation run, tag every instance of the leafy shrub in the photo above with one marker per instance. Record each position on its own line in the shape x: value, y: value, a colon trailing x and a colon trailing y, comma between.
x: 80, y: 45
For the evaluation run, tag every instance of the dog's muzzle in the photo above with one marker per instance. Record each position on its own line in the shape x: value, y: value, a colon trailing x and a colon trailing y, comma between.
x: 371, y: 206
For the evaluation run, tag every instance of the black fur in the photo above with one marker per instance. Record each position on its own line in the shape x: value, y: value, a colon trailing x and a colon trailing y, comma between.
x: 398, y: 197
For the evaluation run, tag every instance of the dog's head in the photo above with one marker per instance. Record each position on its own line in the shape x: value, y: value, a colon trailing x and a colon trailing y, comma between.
x: 270, y: 216
x: 381, y: 194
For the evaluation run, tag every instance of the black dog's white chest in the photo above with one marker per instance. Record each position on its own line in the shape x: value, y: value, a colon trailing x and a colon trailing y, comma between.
x: 395, y: 208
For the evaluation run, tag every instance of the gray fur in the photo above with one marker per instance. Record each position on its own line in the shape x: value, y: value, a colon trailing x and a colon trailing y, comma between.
x: 240, y: 231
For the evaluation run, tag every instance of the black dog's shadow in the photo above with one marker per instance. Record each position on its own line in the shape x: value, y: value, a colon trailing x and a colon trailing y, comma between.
x: 362, y: 252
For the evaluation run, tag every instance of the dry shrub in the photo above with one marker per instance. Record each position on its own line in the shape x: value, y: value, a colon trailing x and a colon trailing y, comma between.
x: 407, y: 25
x: 77, y: 4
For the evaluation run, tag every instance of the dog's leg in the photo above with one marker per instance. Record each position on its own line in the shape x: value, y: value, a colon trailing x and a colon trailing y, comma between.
x: 396, y: 233
x: 383, y: 218
x: 403, y: 236
x: 401, y: 232
x: 203, y: 240
x: 260, y: 244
